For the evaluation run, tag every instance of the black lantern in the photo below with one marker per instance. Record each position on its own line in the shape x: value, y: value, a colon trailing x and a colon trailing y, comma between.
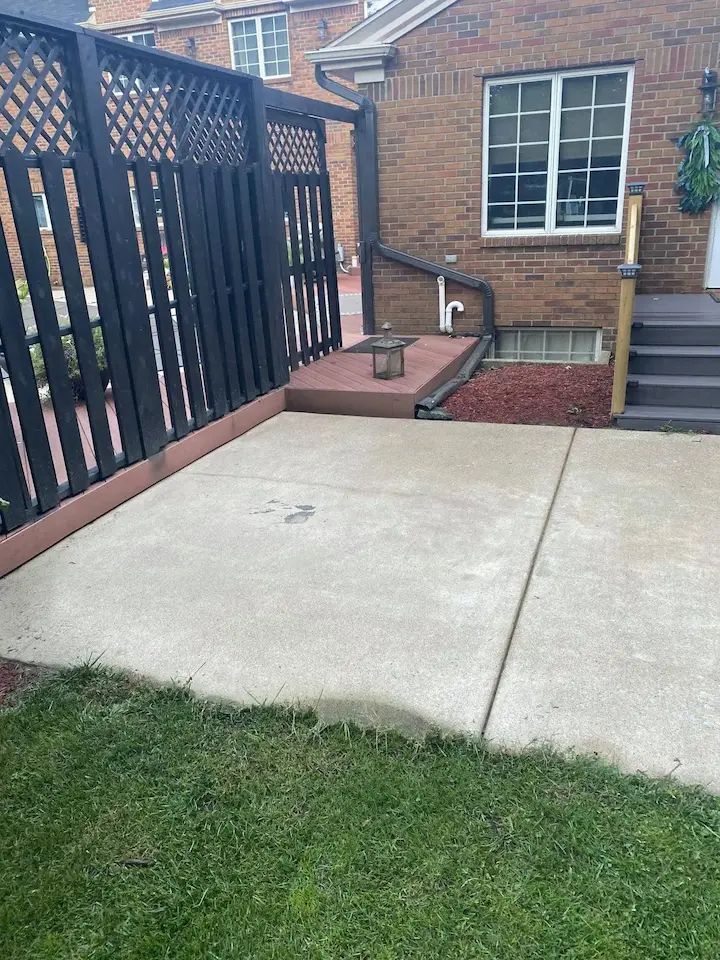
x: 708, y: 88
x: 388, y: 356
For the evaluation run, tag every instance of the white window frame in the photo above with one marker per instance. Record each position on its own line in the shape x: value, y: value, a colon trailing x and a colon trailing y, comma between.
x: 41, y: 194
x: 261, y: 50
x: 135, y: 204
x: 132, y: 37
x: 545, y: 330
x: 553, y: 152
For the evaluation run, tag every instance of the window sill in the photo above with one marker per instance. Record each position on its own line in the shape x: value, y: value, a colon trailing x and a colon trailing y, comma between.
x: 277, y: 81
x: 555, y: 240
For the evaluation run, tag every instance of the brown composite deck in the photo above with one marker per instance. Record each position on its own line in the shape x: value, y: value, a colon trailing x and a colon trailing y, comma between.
x: 343, y: 383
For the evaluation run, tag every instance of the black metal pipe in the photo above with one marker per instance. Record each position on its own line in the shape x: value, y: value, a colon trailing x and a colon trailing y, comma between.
x: 424, y: 408
x: 369, y: 213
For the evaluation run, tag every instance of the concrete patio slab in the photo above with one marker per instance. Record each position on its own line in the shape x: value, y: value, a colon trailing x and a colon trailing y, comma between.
x: 617, y: 649
x: 371, y: 566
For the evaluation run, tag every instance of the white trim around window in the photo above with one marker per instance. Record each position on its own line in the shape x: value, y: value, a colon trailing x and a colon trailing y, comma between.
x: 42, y: 214
x: 261, y: 45
x: 558, y: 157
x: 146, y: 38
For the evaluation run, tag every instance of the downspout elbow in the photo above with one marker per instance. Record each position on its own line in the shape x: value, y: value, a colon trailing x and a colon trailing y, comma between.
x: 454, y: 305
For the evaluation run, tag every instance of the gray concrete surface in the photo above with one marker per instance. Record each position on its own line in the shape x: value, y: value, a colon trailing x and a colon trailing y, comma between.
x: 617, y: 649
x: 370, y: 566
x: 543, y: 584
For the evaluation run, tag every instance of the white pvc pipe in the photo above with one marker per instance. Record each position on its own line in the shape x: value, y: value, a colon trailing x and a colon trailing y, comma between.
x: 441, y: 302
x: 455, y: 305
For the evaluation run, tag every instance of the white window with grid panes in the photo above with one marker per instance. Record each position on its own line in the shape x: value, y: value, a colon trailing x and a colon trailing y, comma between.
x: 551, y: 345
x: 260, y: 45
x: 555, y: 152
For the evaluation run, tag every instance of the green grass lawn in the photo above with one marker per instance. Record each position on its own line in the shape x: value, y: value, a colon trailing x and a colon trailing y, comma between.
x: 265, y: 838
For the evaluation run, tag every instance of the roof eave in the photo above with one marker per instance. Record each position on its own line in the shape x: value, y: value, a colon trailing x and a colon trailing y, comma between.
x: 174, y: 18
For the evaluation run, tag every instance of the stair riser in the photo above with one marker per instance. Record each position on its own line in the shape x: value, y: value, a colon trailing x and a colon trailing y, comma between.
x: 639, y: 423
x: 663, y: 396
x: 676, y: 337
x: 677, y: 366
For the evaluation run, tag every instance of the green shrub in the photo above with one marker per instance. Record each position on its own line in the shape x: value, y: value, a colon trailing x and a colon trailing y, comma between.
x: 73, y: 367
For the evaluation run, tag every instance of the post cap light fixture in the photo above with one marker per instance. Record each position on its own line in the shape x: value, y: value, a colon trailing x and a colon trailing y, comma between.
x: 629, y: 271
x: 636, y: 189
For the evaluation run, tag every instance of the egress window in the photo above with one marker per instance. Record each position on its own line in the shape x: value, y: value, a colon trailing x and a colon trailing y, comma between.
x: 260, y: 45
x: 555, y: 151
x: 547, y: 344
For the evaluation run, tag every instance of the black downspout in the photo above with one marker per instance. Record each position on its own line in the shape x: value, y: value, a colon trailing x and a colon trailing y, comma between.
x: 366, y: 172
x: 366, y: 162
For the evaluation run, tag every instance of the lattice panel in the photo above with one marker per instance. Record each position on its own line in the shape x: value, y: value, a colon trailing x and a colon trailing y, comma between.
x: 293, y: 148
x: 36, y: 108
x: 162, y: 113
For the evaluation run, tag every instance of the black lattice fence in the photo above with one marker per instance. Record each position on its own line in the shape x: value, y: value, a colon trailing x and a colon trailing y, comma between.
x: 142, y: 284
x: 308, y: 266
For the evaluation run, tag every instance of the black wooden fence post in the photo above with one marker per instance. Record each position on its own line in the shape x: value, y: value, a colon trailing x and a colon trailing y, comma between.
x: 149, y: 434
x: 277, y: 354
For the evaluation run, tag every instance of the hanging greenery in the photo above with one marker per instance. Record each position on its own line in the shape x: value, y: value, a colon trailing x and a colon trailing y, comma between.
x: 699, y: 171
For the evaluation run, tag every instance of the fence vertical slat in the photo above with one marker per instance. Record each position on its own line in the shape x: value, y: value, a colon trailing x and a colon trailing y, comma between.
x: 301, y: 181
x: 181, y: 291
x: 200, y: 272
x: 56, y: 196
x: 236, y: 275
x: 328, y: 248
x: 161, y: 301
x: 13, y: 488
x: 36, y: 274
x: 318, y: 262
x: 107, y: 307
x: 282, y: 245
x: 222, y: 301
x: 262, y: 195
x: 22, y: 380
x: 288, y: 188
x: 257, y: 335
x: 124, y: 255
x: 132, y: 301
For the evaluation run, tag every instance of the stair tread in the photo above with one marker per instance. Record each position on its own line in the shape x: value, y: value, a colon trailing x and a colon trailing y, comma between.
x: 672, y: 380
x: 647, y: 412
x: 660, y: 324
x: 673, y: 350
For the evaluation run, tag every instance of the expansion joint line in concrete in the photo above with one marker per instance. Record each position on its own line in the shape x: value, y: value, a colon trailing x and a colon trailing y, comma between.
x: 526, y: 585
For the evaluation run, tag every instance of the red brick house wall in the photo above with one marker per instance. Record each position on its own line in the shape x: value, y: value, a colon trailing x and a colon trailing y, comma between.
x: 430, y: 132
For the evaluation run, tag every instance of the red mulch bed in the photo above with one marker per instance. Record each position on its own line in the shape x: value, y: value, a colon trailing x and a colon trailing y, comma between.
x: 573, y: 395
x: 14, y: 677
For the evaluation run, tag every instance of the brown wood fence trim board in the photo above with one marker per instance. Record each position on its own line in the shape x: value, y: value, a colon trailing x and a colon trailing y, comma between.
x: 22, y: 545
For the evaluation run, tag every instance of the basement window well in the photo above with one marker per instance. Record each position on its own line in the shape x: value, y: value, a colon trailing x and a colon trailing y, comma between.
x: 548, y: 345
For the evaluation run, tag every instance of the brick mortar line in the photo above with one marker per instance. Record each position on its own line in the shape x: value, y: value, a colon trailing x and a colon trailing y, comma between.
x: 526, y: 586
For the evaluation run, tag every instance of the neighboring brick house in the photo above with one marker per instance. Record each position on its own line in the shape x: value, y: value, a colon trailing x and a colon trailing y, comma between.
x: 507, y: 132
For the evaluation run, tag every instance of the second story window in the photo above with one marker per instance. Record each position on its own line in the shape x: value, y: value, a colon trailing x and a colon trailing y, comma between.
x: 145, y: 39
x: 260, y: 45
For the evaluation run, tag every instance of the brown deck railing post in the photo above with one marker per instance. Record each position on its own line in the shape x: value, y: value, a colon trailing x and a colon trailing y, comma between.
x: 628, y: 279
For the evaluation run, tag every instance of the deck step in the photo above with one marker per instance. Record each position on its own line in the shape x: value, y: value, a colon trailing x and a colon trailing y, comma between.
x: 643, y: 417
x: 676, y: 332
x: 673, y: 391
x: 692, y: 361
